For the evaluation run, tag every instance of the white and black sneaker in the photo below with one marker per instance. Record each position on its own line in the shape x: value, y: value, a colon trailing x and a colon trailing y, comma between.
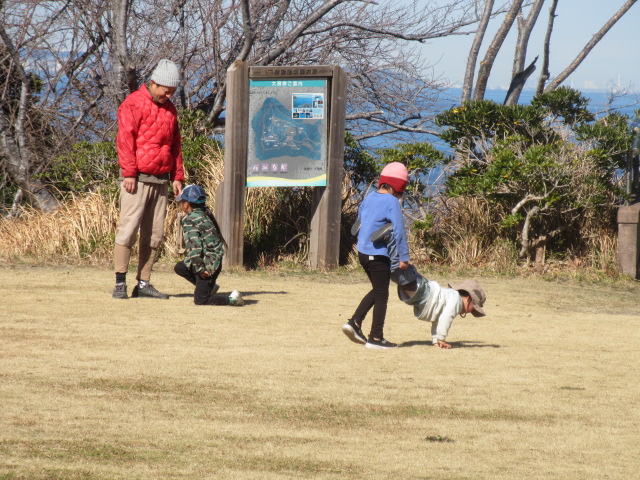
x: 354, y: 332
x: 235, y: 299
x: 381, y: 344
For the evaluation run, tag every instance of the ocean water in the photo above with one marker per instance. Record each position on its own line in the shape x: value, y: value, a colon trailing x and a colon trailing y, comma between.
x: 601, y: 103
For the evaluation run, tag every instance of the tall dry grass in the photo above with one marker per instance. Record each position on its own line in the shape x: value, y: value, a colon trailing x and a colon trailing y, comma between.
x: 465, y: 235
x: 83, y: 228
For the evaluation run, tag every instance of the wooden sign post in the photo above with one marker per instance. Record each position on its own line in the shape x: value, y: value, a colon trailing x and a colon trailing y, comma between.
x: 285, y: 128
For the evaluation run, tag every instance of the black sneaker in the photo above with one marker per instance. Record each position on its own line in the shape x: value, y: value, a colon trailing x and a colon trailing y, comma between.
x: 147, y: 291
x: 120, y: 291
x: 354, y: 332
x: 380, y: 344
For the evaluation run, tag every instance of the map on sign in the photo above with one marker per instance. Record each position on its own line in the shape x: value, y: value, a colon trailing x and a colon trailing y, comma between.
x: 278, y: 135
x: 287, y: 133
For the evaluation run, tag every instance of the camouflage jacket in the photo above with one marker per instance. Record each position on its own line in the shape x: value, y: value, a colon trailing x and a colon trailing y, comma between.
x: 203, y: 245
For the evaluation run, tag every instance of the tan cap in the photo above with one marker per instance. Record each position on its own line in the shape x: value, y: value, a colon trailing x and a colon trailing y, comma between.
x: 478, y: 297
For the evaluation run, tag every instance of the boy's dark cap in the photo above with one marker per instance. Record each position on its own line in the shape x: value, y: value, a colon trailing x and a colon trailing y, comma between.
x: 192, y: 194
x: 478, y: 297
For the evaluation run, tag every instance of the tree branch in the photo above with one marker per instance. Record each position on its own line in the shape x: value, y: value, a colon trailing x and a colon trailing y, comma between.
x: 544, y: 74
x: 492, y: 51
x: 475, y: 50
x: 555, y: 83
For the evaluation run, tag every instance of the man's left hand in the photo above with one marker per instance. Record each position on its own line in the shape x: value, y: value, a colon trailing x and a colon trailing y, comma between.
x: 177, y: 187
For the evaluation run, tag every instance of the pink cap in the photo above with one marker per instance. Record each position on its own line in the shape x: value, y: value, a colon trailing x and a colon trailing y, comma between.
x: 395, y: 175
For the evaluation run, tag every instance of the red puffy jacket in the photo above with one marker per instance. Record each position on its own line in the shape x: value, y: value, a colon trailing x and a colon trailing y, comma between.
x: 148, y: 138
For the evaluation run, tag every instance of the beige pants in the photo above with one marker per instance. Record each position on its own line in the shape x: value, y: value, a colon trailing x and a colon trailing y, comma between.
x: 143, y: 211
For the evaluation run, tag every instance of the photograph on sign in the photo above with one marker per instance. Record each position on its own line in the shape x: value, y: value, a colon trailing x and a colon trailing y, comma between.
x: 308, y: 105
x: 287, y: 133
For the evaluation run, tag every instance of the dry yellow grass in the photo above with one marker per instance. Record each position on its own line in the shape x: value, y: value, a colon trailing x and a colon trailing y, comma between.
x: 94, y: 388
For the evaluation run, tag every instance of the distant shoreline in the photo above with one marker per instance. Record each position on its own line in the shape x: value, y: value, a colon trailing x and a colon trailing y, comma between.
x: 631, y: 91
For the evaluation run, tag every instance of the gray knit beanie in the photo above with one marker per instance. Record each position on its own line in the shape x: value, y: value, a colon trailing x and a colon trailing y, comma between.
x: 166, y: 74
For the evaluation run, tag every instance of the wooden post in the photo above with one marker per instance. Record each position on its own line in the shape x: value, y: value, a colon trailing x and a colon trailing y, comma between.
x: 230, y: 195
x: 324, y: 244
x: 179, y: 238
x: 629, y: 240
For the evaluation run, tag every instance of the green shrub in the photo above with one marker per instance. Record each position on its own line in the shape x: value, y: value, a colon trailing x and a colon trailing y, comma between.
x: 84, y: 168
x: 549, y: 188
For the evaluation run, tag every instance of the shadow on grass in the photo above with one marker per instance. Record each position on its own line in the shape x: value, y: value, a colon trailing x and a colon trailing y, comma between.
x: 244, y: 295
x: 416, y: 343
x: 248, y: 294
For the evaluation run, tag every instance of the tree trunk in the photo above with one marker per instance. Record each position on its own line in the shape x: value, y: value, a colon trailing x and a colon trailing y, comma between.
x: 519, y: 74
x: 544, y: 74
x: 492, y: 52
x: 525, y: 245
x: 15, y: 148
x: 17, y: 164
x: 541, y: 253
x: 517, y: 84
x: 555, y: 83
x: 475, y: 49
x: 525, y: 26
x: 126, y: 73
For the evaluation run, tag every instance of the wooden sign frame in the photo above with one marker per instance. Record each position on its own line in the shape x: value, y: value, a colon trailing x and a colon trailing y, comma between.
x: 324, y: 235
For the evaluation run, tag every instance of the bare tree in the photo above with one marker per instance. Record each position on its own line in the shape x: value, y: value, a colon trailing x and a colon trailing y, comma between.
x: 475, y: 50
x: 525, y: 26
x: 520, y: 74
x: 112, y: 46
x: 555, y: 83
x: 88, y: 54
x: 526, y: 23
x: 14, y: 136
x: 494, y: 47
x: 544, y: 74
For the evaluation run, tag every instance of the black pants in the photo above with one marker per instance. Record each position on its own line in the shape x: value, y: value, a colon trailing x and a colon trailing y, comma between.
x: 204, y: 286
x: 378, y: 269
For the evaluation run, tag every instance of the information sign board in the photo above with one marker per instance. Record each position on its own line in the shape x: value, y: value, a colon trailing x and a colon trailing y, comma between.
x: 287, y: 138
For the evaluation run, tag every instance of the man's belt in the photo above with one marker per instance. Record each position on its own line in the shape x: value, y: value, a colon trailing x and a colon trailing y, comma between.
x: 150, y: 178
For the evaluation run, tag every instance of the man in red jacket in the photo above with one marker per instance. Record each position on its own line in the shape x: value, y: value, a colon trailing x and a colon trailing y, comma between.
x: 150, y: 156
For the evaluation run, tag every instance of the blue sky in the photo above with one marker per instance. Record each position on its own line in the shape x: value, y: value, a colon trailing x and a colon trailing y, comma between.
x: 614, y: 62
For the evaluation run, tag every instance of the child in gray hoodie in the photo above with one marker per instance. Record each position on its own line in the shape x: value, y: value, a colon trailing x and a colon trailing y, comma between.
x: 431, y: 302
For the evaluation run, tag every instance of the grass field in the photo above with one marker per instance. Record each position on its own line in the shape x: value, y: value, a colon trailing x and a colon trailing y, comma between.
x: 545, y: 387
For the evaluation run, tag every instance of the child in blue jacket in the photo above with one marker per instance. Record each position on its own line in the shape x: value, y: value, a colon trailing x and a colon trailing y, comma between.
x: 377, y: 209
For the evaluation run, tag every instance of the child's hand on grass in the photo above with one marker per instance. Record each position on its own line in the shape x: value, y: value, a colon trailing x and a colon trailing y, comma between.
x: 442, y: 344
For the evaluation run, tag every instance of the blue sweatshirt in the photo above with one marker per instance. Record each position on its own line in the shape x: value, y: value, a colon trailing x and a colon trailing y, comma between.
x: 376, y: 210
